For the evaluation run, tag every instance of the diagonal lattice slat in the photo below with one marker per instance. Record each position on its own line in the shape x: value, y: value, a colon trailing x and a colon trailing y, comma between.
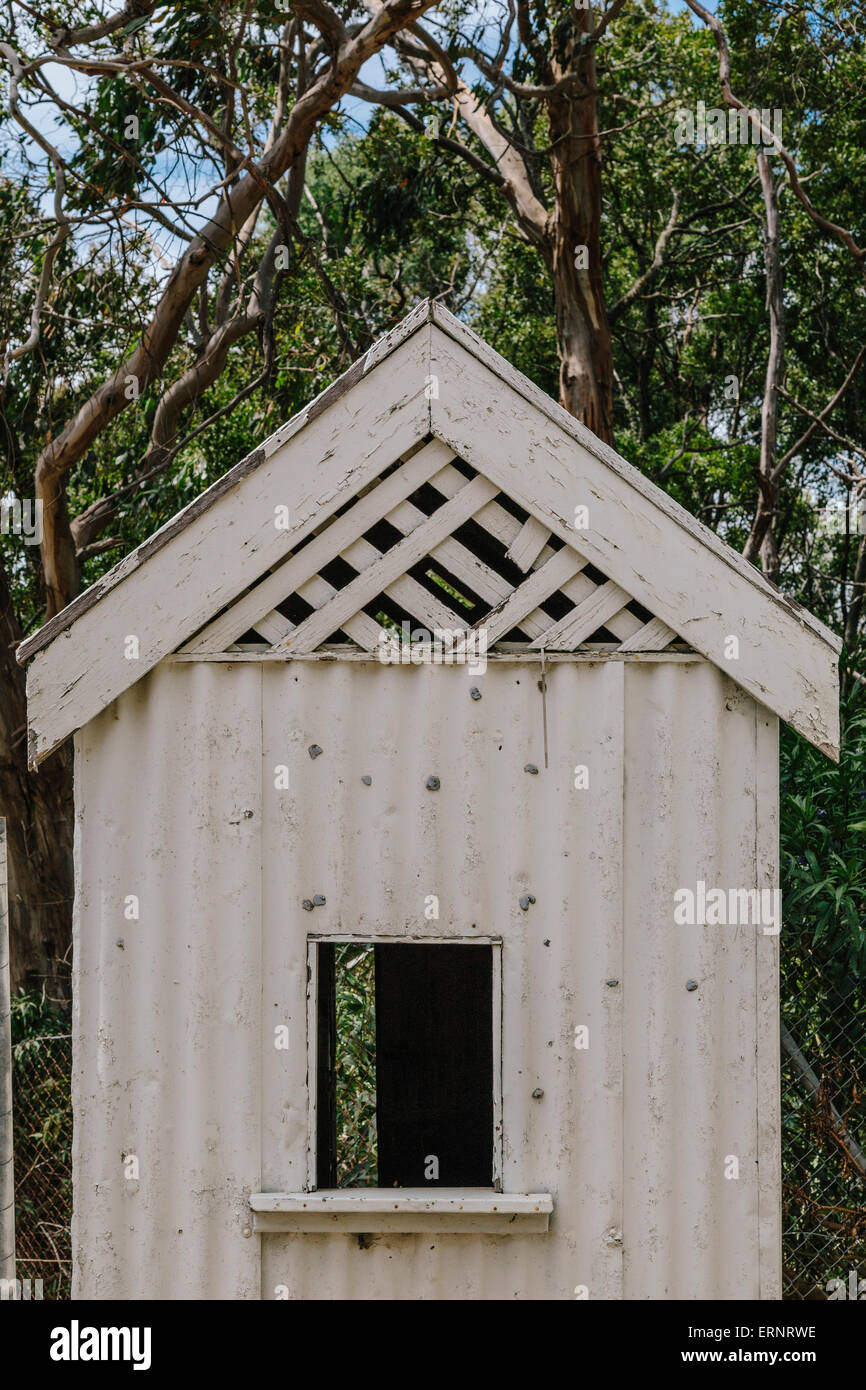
x: 566, y: 634
x: 528, y: 543
x: 543, y: 582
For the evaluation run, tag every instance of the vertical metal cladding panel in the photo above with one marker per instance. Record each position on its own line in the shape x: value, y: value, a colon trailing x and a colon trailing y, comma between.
x: 491, y: 834
x: 167, y: 1032
x: 691, y: 1084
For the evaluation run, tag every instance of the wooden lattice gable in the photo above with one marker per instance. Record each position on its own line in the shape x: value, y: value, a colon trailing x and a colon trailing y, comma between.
x: 434, y: 483
x: 432, y: 547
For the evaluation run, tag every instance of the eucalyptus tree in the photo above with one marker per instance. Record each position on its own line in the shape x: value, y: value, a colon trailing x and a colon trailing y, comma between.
x: 168, y: 125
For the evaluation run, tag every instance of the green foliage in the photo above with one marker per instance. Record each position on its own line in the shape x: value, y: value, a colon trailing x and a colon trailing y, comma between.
x: 357, y: 1155
x: 823, y: 818
x: 42, y: 1125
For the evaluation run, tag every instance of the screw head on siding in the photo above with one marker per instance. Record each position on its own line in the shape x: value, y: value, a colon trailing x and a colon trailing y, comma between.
x: 611, y: 984
x: 475, y: 693
x: 318, y: 900
x: 432, y: 784
x: 526, y: 900
x: 537, y: 1093
x: 307, y: 905
x: 532, y: 769
x: 247, y: 1231
x: 314, y: 750
x: 247, y: 813
x: 367, y: 780
x: 691, y: 985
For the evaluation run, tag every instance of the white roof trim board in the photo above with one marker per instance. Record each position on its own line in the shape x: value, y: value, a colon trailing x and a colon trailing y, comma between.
x: 431, y: 405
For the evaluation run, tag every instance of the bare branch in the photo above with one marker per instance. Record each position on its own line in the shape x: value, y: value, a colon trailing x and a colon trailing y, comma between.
x: 60, y: 217
x: 151, y: 352
x: 770, y: 138
x: 399, y: 96
x: 818, y: 420
x: 326, y: 20
x: 651, y: 273
x: 64, y: 37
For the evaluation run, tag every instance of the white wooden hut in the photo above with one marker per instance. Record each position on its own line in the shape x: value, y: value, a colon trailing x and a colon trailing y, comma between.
x: 587, y: 811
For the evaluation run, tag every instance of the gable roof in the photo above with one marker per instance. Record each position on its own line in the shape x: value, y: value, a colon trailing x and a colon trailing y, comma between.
x: 431, y: 405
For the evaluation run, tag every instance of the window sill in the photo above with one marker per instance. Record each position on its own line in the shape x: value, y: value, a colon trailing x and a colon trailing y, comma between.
x: 362, y: 1210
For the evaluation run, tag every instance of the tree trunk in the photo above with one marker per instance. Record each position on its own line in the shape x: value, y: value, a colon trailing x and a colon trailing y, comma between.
x: 582, y: 329
x: 762, y: 538
x: 853, y: 616
x: 39, y: 823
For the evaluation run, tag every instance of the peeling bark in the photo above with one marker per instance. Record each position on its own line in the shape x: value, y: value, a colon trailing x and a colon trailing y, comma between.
x: 39, y: 819
x: 762, y: 538
x: 582, y: 328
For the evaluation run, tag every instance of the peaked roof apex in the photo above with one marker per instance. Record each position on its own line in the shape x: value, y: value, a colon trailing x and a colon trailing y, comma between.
x: 527, y: 444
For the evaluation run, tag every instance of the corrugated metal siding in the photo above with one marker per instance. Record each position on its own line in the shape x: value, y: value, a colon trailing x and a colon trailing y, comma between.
x: 690, y: 1055
x: 167, y: 1042
x: 629, y: 1136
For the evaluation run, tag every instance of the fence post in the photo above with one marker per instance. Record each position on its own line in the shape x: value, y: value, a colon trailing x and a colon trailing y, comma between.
x: 7, y: 1174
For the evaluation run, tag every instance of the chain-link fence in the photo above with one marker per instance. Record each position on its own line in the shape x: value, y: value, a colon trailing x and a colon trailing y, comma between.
x: 823, y: 1140
x: 823, y: 1128
x: 42, y: 1109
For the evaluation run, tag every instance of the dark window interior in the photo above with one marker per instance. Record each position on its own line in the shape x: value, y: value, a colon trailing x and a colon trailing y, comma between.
x: 416, y: 1024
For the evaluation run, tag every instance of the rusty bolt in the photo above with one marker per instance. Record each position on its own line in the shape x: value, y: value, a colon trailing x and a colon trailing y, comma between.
x: 432, y: 784
x: 314, y: 750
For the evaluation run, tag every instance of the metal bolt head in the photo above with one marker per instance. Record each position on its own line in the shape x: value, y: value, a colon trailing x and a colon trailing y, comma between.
x: 307, y: 905
x: 611, y: 984
x: 314, y: 750
x: 532, y: 769
x: 432, y: 784
x: 367, y: 780
x: 318, y: 900
x: 247, y: 813
x: 691, y: 985
x: 475, y: 693
x: 537, y: 1093
x: 526, y: 900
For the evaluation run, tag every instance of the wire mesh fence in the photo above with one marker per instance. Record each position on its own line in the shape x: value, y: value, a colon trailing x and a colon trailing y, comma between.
x: 823, y: 1140
x: 42, y: 1111
x: 823, y: 1129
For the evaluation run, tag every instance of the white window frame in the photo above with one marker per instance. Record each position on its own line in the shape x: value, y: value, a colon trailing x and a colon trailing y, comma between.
x: 368, y: 939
